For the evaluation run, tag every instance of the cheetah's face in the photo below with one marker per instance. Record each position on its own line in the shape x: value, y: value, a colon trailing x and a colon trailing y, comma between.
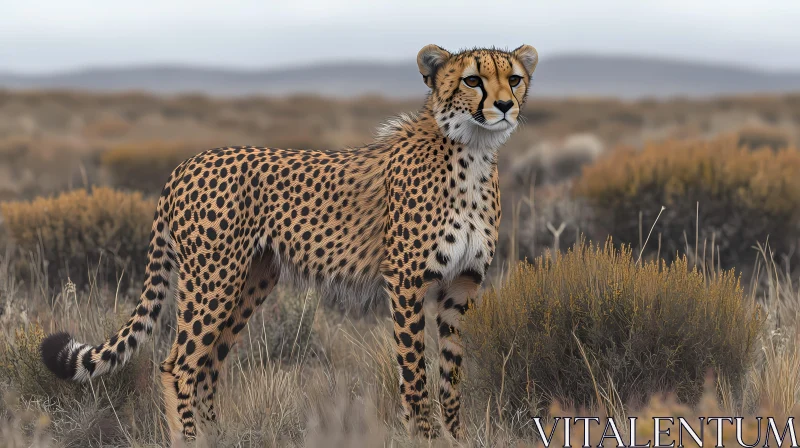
x: 477, y: 94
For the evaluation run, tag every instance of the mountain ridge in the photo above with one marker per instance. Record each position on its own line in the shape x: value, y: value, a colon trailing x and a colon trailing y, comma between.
x: 566, y: 75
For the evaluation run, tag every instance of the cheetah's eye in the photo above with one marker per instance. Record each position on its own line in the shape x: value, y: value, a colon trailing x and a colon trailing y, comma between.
x: 514, y: 80
x: 473, y: 81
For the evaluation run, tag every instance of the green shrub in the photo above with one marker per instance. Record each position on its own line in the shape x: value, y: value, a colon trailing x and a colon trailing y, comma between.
x: 643, y: 328
x: 745, y: 196
x: 78, y: 232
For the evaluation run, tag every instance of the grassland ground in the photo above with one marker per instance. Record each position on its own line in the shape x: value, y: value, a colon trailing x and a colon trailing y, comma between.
x: 697, y: 315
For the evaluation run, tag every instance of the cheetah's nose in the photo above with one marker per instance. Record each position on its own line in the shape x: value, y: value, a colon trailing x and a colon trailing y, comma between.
x: 504, y: 106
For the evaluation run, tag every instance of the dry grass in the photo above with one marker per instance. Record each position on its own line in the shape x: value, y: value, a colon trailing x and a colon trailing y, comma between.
x: 336, y: 386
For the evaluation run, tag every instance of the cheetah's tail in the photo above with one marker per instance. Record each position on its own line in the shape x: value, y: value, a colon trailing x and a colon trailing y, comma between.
x: 71, y: 360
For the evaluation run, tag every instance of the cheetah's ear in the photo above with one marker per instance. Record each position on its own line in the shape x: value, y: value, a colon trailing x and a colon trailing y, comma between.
x: 429, y: 59
x: 528, y: 57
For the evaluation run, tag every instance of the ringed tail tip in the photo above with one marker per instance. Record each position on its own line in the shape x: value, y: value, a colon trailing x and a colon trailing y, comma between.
x: 54, y: 352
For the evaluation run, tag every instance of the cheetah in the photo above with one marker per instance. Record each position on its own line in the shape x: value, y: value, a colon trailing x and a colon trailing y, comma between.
x: 414, y: 214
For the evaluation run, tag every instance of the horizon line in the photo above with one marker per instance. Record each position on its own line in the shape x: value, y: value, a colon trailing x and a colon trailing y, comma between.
x: 187, y: 65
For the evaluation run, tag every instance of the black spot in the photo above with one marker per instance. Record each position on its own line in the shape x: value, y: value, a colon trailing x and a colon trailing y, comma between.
x: 476, y: 276
x: 222, y: 351
x: 429, y: 275
x: 405, y: 338
x: 87, y: 362
x: 416, y: 327
x: 445, y: 329
x: 132, y: 342
x: 155, y: 311
x: 208, y: 339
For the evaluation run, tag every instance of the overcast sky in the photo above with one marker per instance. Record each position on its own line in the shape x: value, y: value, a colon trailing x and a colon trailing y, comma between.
x: 44, y: 36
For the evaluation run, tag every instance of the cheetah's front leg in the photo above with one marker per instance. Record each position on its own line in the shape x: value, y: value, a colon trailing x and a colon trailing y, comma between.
x: 452, y: 303
x: 406, y: 292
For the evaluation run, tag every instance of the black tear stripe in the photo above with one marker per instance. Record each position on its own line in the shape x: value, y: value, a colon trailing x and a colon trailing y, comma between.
x: 514, y: 94
x: 478, y: 115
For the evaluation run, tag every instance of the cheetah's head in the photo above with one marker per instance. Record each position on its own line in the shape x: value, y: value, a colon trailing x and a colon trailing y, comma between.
x: 476, y: 95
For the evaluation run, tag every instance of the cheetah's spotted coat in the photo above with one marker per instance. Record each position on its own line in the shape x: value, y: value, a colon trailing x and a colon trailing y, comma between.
x: 418, y: 208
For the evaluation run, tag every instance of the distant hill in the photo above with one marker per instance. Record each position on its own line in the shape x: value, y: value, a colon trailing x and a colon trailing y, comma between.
x: 574, y: 75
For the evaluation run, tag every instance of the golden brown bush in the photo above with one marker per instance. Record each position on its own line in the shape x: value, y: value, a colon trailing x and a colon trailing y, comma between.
x: 595, y: 316
x: 75, y: 231
x: 744, y: 196
x: 145, y: 166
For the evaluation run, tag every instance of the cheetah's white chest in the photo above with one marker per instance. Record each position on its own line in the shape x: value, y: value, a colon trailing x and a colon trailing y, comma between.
x: 466, y: 241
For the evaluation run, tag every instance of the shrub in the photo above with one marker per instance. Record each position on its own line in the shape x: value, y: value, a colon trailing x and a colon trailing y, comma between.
x: 744, y: 196
x: 146, y: 166
x: 77, y: 230
x: 553, y: 162
x: 594, y: 316
x: 763, y: 137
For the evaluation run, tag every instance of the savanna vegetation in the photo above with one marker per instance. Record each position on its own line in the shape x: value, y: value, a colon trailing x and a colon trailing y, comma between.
x: 645, y: 268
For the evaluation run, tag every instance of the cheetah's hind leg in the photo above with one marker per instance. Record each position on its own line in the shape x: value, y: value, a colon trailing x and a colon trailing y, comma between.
x: 261, y: 280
